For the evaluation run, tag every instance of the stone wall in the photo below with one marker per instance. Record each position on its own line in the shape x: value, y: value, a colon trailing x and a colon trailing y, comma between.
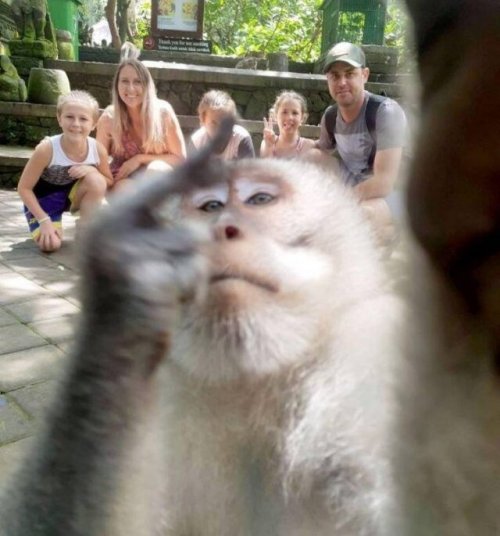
x: 7, y: 24
x: 183, y: 85
x: 26, y: 124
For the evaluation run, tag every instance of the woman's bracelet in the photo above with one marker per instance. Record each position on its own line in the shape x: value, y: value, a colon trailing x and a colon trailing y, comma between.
x: 47, y: 218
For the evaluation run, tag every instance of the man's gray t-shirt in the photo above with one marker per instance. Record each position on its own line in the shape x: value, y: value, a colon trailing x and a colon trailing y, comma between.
x: 354, y: 142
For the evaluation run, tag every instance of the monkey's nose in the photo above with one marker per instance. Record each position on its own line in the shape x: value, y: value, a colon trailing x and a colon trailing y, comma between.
x: 231, y: 232
x: 227, y: 231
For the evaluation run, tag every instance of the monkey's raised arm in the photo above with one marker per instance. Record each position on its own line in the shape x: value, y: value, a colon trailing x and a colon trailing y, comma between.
x: 134, y: 271
x: 457, y: 149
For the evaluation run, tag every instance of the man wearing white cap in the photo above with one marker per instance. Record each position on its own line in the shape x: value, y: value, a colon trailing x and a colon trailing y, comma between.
x: 367, y: 131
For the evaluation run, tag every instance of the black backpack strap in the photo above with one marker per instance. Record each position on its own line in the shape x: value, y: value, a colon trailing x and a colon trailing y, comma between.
x: 374, y: 101
x: 330, y: 122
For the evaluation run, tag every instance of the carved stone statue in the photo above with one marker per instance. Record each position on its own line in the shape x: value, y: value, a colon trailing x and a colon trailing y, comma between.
x: 36, y: 33
x: 12, y: 86
x: 30, y: 17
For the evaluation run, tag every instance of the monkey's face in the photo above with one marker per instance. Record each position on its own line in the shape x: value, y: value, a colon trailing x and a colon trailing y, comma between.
x: 275, y: 265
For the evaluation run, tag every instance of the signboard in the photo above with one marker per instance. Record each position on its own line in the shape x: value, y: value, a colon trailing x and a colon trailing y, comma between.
x: 177, y: 18
x: 167, y: 44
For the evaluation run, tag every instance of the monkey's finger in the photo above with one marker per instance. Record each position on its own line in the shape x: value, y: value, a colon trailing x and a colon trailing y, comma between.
x: 153, y: 264
x: 197, y: 171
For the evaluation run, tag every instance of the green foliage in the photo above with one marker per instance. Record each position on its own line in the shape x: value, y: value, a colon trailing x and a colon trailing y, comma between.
x: 238, y: 27
x: 396, y: 26
x: 91, y: 11
x: 143, y: 23
x: 397, y: 34
x: 351, y: 25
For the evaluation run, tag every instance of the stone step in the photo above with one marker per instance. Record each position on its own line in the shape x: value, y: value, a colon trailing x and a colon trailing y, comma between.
x: 14, y: 155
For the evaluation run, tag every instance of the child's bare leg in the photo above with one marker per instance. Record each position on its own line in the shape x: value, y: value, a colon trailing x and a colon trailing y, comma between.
x: 89, y: 195
x: 121, y: 185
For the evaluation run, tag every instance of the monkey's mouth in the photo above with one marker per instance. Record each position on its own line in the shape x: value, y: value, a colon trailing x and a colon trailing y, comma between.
x: 255, y: 281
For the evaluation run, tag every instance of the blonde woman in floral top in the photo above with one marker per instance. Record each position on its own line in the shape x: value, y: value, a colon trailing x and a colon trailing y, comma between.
x: 139, y: 130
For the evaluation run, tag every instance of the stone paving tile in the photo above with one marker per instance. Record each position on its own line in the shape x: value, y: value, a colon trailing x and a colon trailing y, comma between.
x: 23, y: 264
x: 67, y: 256
x: 14, y: 423
x: 4, y: 268
x: 6, y: 319
x: 18, y: 337
x: 66, y: 346
x: 41, y: 308
x: 55, y: 330
x: 64, y: 289
x: 45, y: 276
x: 11, y: 244
x: 35, y: 400
x: 31, y: 366
x: 13, y: 226
x: 30, y: 251
x: 11, y: 457
x: 12, y: 201
x: 14, y: 287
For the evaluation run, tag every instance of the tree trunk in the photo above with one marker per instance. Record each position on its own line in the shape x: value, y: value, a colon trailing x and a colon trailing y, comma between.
x: 122, y: 18
x: 110, y: 11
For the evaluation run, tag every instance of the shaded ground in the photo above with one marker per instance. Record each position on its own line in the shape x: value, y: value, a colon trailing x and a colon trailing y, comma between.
x: 38, y: 305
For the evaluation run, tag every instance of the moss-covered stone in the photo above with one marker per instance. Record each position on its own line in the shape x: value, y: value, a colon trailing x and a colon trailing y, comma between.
x: 12, y: 86
x: 35, y: 134
x: 49, y: 122
x: 38, y: 49
x: 65, y: 50
x: 24, y: 64
x: 64, y: 36
x: 11, y: 131
x: 46, y: 85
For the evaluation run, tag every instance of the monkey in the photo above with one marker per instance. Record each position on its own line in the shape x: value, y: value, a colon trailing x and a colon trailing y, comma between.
x: 282, y: 388
x: 216, y: 381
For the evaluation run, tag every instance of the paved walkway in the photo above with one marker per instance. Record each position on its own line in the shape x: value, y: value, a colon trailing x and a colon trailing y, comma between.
x: 38, y: 305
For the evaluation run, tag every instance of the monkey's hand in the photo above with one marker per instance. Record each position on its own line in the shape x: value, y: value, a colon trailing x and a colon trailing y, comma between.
x: 136, y: 270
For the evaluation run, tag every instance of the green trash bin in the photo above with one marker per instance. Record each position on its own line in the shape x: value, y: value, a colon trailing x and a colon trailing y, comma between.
x: 358, y: 21
x: 64, y: 14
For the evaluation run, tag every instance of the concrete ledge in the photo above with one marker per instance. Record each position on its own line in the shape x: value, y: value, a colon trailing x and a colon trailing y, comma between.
x: 14, y: 155
x: 182, y: 72
x: 27, y: 109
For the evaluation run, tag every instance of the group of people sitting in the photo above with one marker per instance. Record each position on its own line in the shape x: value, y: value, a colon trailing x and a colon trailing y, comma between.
x: 361, y: 139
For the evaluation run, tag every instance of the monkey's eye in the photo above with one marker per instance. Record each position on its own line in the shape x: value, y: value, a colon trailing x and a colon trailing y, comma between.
x: 211, y: 206
x: 260, y: 198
